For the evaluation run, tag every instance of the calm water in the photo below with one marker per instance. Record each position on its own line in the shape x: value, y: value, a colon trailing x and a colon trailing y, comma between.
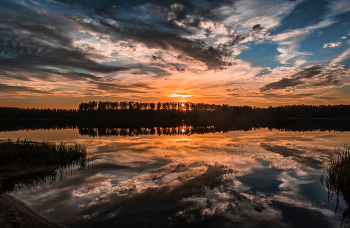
x: 257, y: 178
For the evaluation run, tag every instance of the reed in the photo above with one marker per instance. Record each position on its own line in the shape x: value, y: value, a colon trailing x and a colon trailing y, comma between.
x: 339, y: 173
x: 28, y: 163
x: 338, y: 181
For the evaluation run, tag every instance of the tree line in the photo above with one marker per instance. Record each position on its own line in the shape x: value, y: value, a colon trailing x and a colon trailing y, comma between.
x: 124, y: 105
x: 175, y: 110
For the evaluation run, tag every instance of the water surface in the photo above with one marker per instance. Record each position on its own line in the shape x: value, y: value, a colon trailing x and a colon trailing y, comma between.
x: 256, y: 178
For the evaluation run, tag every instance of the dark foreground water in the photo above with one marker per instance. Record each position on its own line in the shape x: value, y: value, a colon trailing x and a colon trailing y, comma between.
x: 256, y: 178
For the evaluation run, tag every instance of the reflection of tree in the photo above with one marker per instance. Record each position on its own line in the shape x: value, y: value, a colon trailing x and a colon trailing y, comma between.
x: 92, y: 126
x: 180, y: 130
x: 338, y: 181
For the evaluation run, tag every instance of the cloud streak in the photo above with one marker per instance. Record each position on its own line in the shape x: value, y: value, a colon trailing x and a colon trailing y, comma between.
x: 5, y: 89
x: 315, y: 76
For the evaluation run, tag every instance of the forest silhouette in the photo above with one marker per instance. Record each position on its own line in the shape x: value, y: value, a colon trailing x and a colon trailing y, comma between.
x: 174, y: 118
x: 176, y: 110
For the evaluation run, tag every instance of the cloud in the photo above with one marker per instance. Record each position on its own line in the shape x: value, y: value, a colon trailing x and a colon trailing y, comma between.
x: 213, y: 58
x: 31, y: 46
x: 138, y: 43
x: 341, y: 57
x: 9, y: 90
x: 337, y: 7
x: 257, y: 28
x: 177, y: 12
x: 281, y: 84
x: 285, y: 96
x: 289, y: 41
x: 295, y: 154
x: 236, y: 40
x: 337, y: 44
x: 294, y: 80
x: 176, y: 67
x: 312, y: 78
x: 133, y: 88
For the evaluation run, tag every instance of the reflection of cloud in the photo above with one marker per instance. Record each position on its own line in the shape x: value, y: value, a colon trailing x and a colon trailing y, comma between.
x: 297, y: 155
x: 291, y: 196
x: 137, y: 180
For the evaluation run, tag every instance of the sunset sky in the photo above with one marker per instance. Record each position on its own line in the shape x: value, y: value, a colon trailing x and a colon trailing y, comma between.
x: 58, y: 53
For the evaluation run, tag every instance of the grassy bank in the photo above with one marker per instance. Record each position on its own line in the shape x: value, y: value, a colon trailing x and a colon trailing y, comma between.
x: 28, y: 163
x: 338, y: 181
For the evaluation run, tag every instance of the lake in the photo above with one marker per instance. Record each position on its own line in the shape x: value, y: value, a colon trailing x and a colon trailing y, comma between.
x: 180, y: 177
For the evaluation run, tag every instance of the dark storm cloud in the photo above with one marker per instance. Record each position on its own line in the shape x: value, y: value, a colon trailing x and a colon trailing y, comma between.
x: 303, y: 78
x: 29, y: 51
x: 178, y: 11
x: 34, y: 43
x: 236, y: 40
x: 212, y: 57
x: 257, y: 28
x: 168, y: 37
x: 281, y: 84
x: 202, y: 6
x: 176, y: 67
x: 308, y: 72
x: 327, y: 80
x: 19, y: 89
x: 168, y: 11
x: 28, y: 72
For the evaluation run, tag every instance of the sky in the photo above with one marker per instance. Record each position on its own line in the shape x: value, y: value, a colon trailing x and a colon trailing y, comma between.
x: 59, y: 53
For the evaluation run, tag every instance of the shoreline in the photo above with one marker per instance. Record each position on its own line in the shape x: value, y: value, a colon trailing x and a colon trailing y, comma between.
x: 15, y: 213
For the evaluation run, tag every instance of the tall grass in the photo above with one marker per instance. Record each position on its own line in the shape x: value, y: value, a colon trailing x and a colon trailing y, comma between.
x: 28, y: 163
x: 339, y: 173
x: 338, y: 181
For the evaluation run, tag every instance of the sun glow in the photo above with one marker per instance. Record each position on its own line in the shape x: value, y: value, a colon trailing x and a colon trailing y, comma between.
x: 181, y: 95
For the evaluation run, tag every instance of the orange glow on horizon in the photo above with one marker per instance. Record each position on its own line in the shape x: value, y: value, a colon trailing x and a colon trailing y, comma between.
x: 181, y: 95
